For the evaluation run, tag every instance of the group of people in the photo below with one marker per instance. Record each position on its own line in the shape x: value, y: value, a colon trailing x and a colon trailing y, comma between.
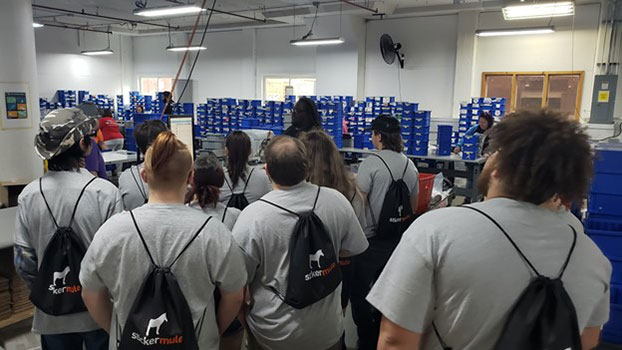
x: 190, y: 251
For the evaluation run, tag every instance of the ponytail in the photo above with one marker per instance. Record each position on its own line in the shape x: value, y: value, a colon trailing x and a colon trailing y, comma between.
x: 238, y: 151
x: 168, y: 161
x: 209, y: 177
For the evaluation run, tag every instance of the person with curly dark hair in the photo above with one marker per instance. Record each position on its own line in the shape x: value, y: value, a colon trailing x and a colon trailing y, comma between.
x: 456, y: 267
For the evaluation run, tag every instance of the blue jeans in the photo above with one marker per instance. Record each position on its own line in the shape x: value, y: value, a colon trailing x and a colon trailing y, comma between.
x: 94, y: 340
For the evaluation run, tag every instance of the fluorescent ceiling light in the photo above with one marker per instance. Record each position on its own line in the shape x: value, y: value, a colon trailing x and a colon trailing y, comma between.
x: 552, y: 9
x: 98, y: 52
x: 168, y: 11
x: 185, y: 48
x: 516, y: 31
x: 37, y: 25
x: 313, y: 42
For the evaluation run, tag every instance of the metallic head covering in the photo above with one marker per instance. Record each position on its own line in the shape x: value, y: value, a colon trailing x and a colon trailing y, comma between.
x: 61, y: 129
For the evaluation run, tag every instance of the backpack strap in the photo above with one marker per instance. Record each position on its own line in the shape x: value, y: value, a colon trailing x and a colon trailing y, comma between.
x: 289, y: 211
x: 509, y: 239
x: 46, y: 204
x: 75, y: 208
x: 386, y: 165
x: 406, y: 167
x: 574, y: 243
x: 247, y: 180
x: 440, y: 339
x: 142, y: 239
x: 316, y: 198
x: 141, y: 186
x: 190, y: 242
x: 224, y: 214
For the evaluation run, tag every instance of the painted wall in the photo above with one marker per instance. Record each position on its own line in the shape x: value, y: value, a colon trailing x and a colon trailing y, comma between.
x: 61, y: 66
x: 429, y: 45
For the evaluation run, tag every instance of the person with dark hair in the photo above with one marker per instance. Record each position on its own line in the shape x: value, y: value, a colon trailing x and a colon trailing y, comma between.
x: 45, y: 204
x: 264, y: 232
x: 465, y: 274
x: 240, y: 178
x: 204, y: 192
x: 485, y: 123
x: 198, y: 251
x: 167, y: 97
x: 134, y: 191
x: 375, y: 176
x: 305, y: 117
x: 110, y: 130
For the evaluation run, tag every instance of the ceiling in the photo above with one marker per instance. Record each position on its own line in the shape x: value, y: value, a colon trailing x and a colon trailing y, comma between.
x: 237, y: 13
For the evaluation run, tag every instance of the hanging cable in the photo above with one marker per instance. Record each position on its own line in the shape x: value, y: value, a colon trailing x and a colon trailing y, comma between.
x: 317, y: 7
x: 196, y: 58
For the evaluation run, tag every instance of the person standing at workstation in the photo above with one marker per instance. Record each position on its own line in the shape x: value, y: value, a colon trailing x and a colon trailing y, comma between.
x: 135, y: 191
x: 483, y: 127
x: 264, y: 231
x: 195, y: 250
x: 66, y: 196
x: 167, y: 97
x: 241, y: 180
x: 375, y: 177
x: 466, y: 274
x: 305, y: 117
x: 110, y: 130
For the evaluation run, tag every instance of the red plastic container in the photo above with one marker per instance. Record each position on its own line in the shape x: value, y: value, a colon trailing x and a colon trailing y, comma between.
x: 426, y: 183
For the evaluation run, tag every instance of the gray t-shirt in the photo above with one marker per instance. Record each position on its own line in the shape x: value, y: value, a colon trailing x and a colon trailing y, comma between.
x: 469, y: 271
x: 258, y: 185
x: 218, y: 211
x: 118, y: 261
x: 264, y: 233
x: 374, y: 179
x: 35, y: 228
x: 134, y: 191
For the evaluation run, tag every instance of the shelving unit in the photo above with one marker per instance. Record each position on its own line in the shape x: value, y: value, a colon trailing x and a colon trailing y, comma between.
x: 15, y: 318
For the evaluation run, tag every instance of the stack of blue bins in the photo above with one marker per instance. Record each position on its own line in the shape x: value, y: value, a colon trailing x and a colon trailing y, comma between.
x: 604, y: 226
x: 443, y: 140
x: 470, y: 147
x: 420, y: 133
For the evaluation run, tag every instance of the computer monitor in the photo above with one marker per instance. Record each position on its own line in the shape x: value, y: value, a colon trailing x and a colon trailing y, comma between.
x: 183, y: 127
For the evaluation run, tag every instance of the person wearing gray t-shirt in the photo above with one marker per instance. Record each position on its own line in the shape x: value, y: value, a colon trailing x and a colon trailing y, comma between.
x: 134, y: 190
x: 45, y: 204
x: 456, y: 268
x: 117, y: 262
x: 264, y: 232
x: 375, y: 175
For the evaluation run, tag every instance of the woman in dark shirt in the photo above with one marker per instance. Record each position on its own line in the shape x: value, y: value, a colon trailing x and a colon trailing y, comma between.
x: 305, y: 117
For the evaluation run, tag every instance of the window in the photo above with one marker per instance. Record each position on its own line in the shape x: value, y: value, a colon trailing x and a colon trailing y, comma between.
x: 151, y: 85
x: 275, y: 89
x: 558, y: 91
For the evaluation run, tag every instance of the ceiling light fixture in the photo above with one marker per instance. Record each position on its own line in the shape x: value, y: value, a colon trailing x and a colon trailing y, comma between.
x: 97, y: 52
x: 168, y: 11
x: 315, y: 42
x: 542, y: 10
x: 185, y: 48
x: 37, y: 25
x: 515, y: 31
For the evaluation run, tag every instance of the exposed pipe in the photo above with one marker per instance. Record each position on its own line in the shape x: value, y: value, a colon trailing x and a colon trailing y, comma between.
x: 360, y: 6
x: 240, y: 16
x: 86, y: 14
x: 76, y: 28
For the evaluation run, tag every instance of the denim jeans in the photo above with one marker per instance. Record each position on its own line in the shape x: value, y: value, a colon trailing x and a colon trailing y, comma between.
x: 94, y: 340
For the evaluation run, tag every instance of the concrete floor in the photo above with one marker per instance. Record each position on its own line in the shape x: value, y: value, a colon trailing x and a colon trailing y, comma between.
x: 19, y: 337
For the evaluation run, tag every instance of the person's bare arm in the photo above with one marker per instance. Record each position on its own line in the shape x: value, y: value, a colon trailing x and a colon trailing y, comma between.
x: 100, y: 307
x: 414, y: 200
x: 590, y: 338
x: 394, y: 337
x: 229, y: 307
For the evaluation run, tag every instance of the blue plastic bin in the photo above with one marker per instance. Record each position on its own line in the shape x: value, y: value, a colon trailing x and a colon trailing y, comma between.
x: 608, y: 161
x: 605, y: 204
x: 607, y: 184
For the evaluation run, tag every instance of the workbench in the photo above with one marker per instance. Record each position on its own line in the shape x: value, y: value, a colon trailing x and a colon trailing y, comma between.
x: 433, y: 164
x: 119, y: 157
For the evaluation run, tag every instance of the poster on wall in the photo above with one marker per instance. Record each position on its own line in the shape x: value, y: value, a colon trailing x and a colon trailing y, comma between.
x: 14, y: 111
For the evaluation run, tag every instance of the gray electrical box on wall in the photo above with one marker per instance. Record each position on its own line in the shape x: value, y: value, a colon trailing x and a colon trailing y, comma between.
x: 603, y: 99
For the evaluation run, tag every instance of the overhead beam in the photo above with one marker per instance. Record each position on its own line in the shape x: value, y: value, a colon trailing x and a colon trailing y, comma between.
x: 76, y: 28
x: 352, y: 3
x: 94, y: 15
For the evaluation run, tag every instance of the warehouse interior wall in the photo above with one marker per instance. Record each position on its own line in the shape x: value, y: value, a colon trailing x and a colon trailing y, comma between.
x: 62, y: 67
x: 444, y: 60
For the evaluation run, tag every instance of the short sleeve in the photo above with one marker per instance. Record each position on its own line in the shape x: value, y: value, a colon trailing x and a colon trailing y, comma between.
x: 89, y: 277
x: 600, y: 315
x: 414, y: 188
x: 248, y: 242
x: 227, y: 271
x: 404, y: 291
x: 111, y: 204
x: 22, y: 235
x: 364, y: 176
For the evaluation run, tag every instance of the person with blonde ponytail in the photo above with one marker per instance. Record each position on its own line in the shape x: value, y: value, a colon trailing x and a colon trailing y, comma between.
x: 117, y: 262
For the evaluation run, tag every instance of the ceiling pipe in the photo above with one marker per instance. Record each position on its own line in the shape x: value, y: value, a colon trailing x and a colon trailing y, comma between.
x: 360, y: 6
x: 76, y: 28
x: 239, y: 16
x: 86, y: 14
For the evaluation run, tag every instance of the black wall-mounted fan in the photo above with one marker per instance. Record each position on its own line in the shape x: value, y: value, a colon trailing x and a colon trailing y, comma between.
x: 390, y: 50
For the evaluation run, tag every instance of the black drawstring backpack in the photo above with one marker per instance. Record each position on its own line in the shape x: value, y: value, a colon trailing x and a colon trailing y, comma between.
x: 140, y: 185
x: 544, y: 317
x: 238, y: 200
x: 396, y: 214
x: 160, y: 317
x: 57, y: 290
x: 314, y: 271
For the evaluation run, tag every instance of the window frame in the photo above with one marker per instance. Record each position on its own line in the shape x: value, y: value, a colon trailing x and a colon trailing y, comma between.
x: 545, y: 94
x: 289, y: 77
x: 158, y: 77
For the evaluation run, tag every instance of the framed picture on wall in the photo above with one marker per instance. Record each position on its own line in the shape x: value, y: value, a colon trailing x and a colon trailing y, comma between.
x: 15, y: 112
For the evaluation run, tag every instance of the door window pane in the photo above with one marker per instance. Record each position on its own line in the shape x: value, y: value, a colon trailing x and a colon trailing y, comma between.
x: 562, y: 95
x: 499, y: 86
x: 303, y: 87
x: 148, y: 86
x: 165, y: 84
x: 275, y: 89
x: 529, y: 92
